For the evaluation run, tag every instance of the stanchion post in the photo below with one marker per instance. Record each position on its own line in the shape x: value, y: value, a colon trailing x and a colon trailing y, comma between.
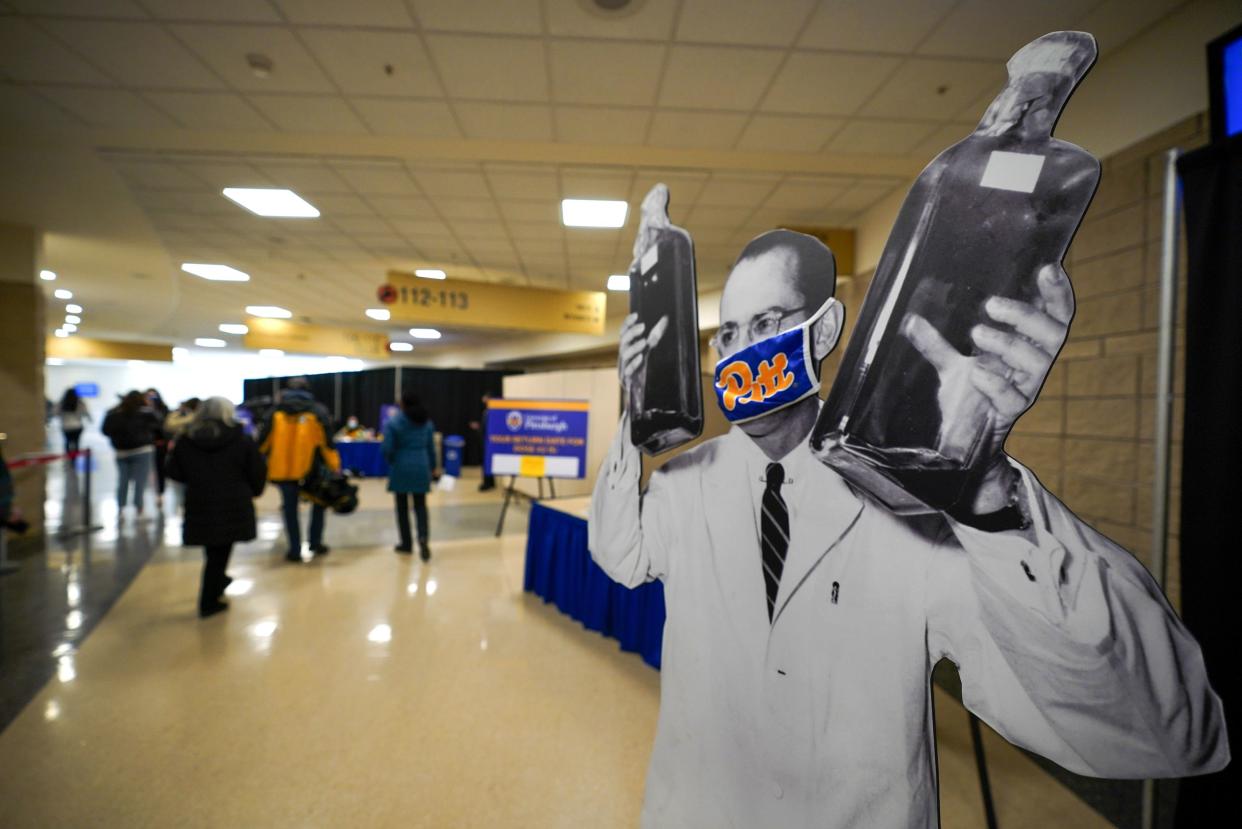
x: 86, y: 489
x: 5, y: 566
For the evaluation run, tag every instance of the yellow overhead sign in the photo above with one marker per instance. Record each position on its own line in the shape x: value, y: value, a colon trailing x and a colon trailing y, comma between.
x: 458, y: 302
x: 85, y: 348
x: 303, y: 338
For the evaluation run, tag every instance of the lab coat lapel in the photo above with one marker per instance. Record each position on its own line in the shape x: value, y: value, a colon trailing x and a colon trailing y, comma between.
x: 827, y: 511
x: 734, y: 536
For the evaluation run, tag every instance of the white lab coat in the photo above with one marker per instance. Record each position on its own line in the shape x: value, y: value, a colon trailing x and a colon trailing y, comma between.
x: 824, y: 717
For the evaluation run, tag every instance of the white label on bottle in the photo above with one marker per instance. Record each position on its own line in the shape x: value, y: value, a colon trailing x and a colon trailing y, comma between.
x: 650, y: 258
x: 1012, y: 171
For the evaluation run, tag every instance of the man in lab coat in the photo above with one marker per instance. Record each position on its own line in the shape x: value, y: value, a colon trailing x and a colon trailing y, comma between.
x: 804, y: 620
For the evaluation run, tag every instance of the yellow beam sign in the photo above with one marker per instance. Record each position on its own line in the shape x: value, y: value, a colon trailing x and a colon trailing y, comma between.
x: 302, y: 338
x: 85, y: 348
x: 459, y: 302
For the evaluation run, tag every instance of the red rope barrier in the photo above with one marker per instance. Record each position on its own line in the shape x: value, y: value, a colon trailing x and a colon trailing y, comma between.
x: 38, y: 460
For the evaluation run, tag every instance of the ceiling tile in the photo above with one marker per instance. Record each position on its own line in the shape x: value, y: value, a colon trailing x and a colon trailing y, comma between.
x: 438, y: 182
x: 136, y: 54
x: 1115, y: 22
x: 452, y: 208
x: 709, y: 130
x: 509, y: 17
x: 403, y: 207
x: 422, y: 228
x: 711, y: 21
x: 601, y: 125
x: 863, y: 195
x: 822, y: 84
x: 506, y: 122
x: 807, y: 194
x: 394, y: 116
x: 579, y: 183
x: 219, y: 111
x: 717, y: 77
x: 606, y: 73
x: 736, y: 191
x: 683, y: 188
x: 467, y: 229
x: 227, y: 173
x: 987, y: 29
x: 492, y: 68
x: 544, y: 226
x: 353, y: 13
x: 376, y: 179
x: 304, y: 178
x: 354, y: 225
x: 539, y: 248
x: 873, y: 25
x: 941, y: 139
x: 357, y: 61
x: 243, y: 11
x: 27, y: 54
x: 110, y: 108
x: 915, y: 90
x: 225, y: 49
x: 309, y: 113
x: 788, y: 133
x: 880, y: 137
x: 524, y: 182
x: 157, y: 175
x: 703, y: 216
x: 650, y: 21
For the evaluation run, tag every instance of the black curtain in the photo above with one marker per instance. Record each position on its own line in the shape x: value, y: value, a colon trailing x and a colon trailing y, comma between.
x: 454, y: 399
x: 363, y: 392
x: 1212, y: 450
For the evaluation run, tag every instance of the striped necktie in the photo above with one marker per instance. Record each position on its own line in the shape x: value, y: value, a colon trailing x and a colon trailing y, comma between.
x: 774, y: 533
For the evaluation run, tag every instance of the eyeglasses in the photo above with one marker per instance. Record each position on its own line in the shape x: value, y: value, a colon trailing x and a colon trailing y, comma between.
x: 760, y: 327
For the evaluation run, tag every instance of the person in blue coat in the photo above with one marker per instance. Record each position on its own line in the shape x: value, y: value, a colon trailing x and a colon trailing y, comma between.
x: 410, y: 449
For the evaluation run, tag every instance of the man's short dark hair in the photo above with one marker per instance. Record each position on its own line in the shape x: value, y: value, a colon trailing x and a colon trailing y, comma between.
x: 300, y: 383
x: 815, y: 267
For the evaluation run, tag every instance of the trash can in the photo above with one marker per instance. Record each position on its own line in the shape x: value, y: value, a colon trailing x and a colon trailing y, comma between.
x: 454, y: 447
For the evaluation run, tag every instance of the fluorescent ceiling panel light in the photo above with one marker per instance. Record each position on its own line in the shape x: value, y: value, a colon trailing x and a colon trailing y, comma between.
x: 619, y: 282
x: 178, y: 351
x: 593, y: 213
x: 273, y: 203
x: 271, y: 352
x: 54, y: 361
x: 73, y: 309
x: 47, y: 276
x: 209, y: 342
x: 270, y: 311
x: 401, y: 346
x: 234, y: 328
x: 424, y: 333
x: 136, y: 362
x: 430, y: 273
x: 73, y: 318
x: 70, y: 327
x: 379, y: 313
x: 216, y: 273
x: 61, y: 293
x: 60, y: 332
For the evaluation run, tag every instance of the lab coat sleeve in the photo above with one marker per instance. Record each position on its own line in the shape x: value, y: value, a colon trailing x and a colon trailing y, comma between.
x: 629, y: 533
x: 1067, y: 647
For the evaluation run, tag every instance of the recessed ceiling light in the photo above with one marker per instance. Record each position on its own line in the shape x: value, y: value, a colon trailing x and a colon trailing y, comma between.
x: 271, y: 352
x: 273, y: 203
x: 401, y: 346
x: 619, y: 282
x: 379, y: 313
x: 216, y: 273
x: 73, y: 318
x: 430, y: 273
x: 425, y: 333
x: 178, y: 351
x: 73, y: 309
x: 209, y: 342
x: 593, y: 213
x: 60, y: 332
x: 47, y: 276
x: 269, y: 311
x: 234, y: 328
x: 54, y: 361
x: 70, y: 327
x: 61, y: 293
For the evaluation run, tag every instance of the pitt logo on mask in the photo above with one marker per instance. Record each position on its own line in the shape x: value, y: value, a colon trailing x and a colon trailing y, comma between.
x: 770, y: 374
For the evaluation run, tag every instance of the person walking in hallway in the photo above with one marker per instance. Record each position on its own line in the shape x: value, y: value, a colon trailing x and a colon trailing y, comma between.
x: 156, y: 403
x: 410, y: 449
x: 73, y: 415
x: 223, y: 472
x: 132, y: 428
x: 293, y: 434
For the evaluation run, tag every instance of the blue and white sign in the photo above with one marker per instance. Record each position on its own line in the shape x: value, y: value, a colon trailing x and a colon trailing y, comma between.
x: 536, y: 438
x: 87, y: 389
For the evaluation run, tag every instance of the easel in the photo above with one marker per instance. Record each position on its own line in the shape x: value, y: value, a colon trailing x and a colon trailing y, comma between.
x: 510, y: 492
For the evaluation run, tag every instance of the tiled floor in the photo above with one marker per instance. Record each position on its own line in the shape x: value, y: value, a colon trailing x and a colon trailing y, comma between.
x: 363, y: 689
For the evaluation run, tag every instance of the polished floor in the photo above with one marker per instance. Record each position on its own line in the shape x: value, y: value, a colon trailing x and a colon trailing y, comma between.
x: 363, y: 689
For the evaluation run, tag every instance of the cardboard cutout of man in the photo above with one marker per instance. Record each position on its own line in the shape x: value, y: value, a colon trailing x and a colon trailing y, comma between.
x: 803, y: 619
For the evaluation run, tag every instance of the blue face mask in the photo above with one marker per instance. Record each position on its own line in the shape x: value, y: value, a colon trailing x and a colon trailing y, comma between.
x: 769, y: 375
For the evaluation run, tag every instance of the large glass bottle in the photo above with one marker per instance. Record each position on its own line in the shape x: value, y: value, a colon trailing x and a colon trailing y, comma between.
x: 666, y: 399
x: 980, y: 221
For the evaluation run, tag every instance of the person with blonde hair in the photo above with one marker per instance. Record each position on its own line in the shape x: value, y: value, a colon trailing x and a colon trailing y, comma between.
x: 223, y: 472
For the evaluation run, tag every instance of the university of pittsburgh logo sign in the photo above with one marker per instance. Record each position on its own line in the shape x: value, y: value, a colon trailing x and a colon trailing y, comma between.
x: 738, y: 384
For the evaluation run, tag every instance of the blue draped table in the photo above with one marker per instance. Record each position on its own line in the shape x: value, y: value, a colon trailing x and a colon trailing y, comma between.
x: 363, y: 457
x: 559, y: 569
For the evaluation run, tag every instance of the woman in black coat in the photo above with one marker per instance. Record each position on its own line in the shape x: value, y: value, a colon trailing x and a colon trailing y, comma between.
x: 223, y: 473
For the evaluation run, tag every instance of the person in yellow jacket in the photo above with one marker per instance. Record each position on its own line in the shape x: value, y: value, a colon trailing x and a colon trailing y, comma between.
x: 292, y: 434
